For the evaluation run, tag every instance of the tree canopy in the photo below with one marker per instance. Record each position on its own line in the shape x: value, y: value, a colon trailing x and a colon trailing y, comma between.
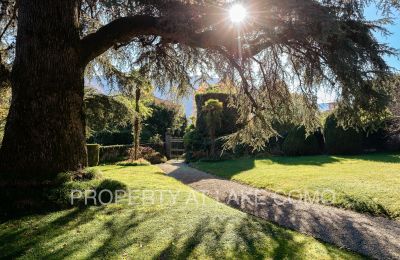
x: 283, y: 46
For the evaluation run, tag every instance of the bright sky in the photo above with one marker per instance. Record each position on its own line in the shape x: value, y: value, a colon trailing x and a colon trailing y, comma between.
x: 393, y: 40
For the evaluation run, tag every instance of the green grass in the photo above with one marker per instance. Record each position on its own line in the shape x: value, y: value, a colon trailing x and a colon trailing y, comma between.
x: 365, y: 183
x: 160, y: 230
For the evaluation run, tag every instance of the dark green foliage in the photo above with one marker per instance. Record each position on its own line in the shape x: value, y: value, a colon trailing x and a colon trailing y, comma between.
x: 297, y: 143
x: 106, y: 113
x: 375, y: 140
x: 120, y: 136
x: 229, y: 115
x: 113, y: 153
x: 164, y: 116
x: 195, y: 144
x: 193, y: 140
x: 93, y: 154
x: 339, y: 140
x: 156, y: 142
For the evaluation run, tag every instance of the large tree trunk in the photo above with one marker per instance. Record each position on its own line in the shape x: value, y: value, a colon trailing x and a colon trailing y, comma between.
x: 45, y: 129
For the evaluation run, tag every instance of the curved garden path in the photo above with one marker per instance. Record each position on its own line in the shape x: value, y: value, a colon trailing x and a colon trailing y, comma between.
x: 371, y: 236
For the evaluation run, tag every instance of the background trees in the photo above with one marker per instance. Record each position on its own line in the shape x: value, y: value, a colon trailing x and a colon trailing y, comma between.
x: 106, y: 113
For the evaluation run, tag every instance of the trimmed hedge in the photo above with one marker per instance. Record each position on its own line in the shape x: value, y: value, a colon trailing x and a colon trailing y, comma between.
x: 93, y: 154
x: 341, y: 141
x: 114, y: 153
x: 113, y: 137
x: 296, y: 143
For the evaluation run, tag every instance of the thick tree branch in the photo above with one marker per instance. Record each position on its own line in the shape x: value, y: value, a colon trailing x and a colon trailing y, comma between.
x: 125, y: 29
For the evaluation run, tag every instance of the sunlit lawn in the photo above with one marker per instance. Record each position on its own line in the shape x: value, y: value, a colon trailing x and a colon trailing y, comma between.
x: 365, y: 183
x: 160, y: 230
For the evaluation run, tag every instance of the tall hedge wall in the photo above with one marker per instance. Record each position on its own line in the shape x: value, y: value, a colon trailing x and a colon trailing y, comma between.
x: 341, y: 141
x: 297, y: 143
x: 229, y: 115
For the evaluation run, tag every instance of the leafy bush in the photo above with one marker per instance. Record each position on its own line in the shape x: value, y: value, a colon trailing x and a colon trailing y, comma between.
x: 339, y: 140
x: 93, y: 154
x: 297, y: 143
x: 108, y: 186
x: 165, y: 115
x: 114, y: 153
x: 193, y: 140
x: 156, y: 142
x: 149, y: 154
x: 155, y: 158
x: 195, y: 145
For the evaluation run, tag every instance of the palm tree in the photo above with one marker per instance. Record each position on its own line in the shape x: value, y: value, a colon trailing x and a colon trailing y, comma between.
x: 213, y: 109
x: 136, y: 85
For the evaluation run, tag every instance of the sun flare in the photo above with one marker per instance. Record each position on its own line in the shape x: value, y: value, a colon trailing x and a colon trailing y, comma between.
x: 237, y: 13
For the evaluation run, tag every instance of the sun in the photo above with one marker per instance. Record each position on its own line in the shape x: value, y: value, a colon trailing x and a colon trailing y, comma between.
x: 237, y: 13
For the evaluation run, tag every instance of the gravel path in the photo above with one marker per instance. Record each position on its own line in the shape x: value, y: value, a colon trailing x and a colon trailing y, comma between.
x: 371, y: 236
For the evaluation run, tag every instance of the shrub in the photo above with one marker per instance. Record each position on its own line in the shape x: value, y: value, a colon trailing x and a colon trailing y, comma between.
x: 83, y: 175
x: 87, y: 182
x: 157, y: 143
x: 109, y: 185
x: 339, y: 140
x: 150, y: 155
x: 114, y: 153
x: 297, y: 143
x: 155, y: 158
x: 193, y: 140
x: 140, y: 162
x: 195, y: 145
x: 93, y: 154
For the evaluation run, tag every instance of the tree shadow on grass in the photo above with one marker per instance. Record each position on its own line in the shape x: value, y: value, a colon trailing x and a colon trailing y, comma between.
x: 104, y: 232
